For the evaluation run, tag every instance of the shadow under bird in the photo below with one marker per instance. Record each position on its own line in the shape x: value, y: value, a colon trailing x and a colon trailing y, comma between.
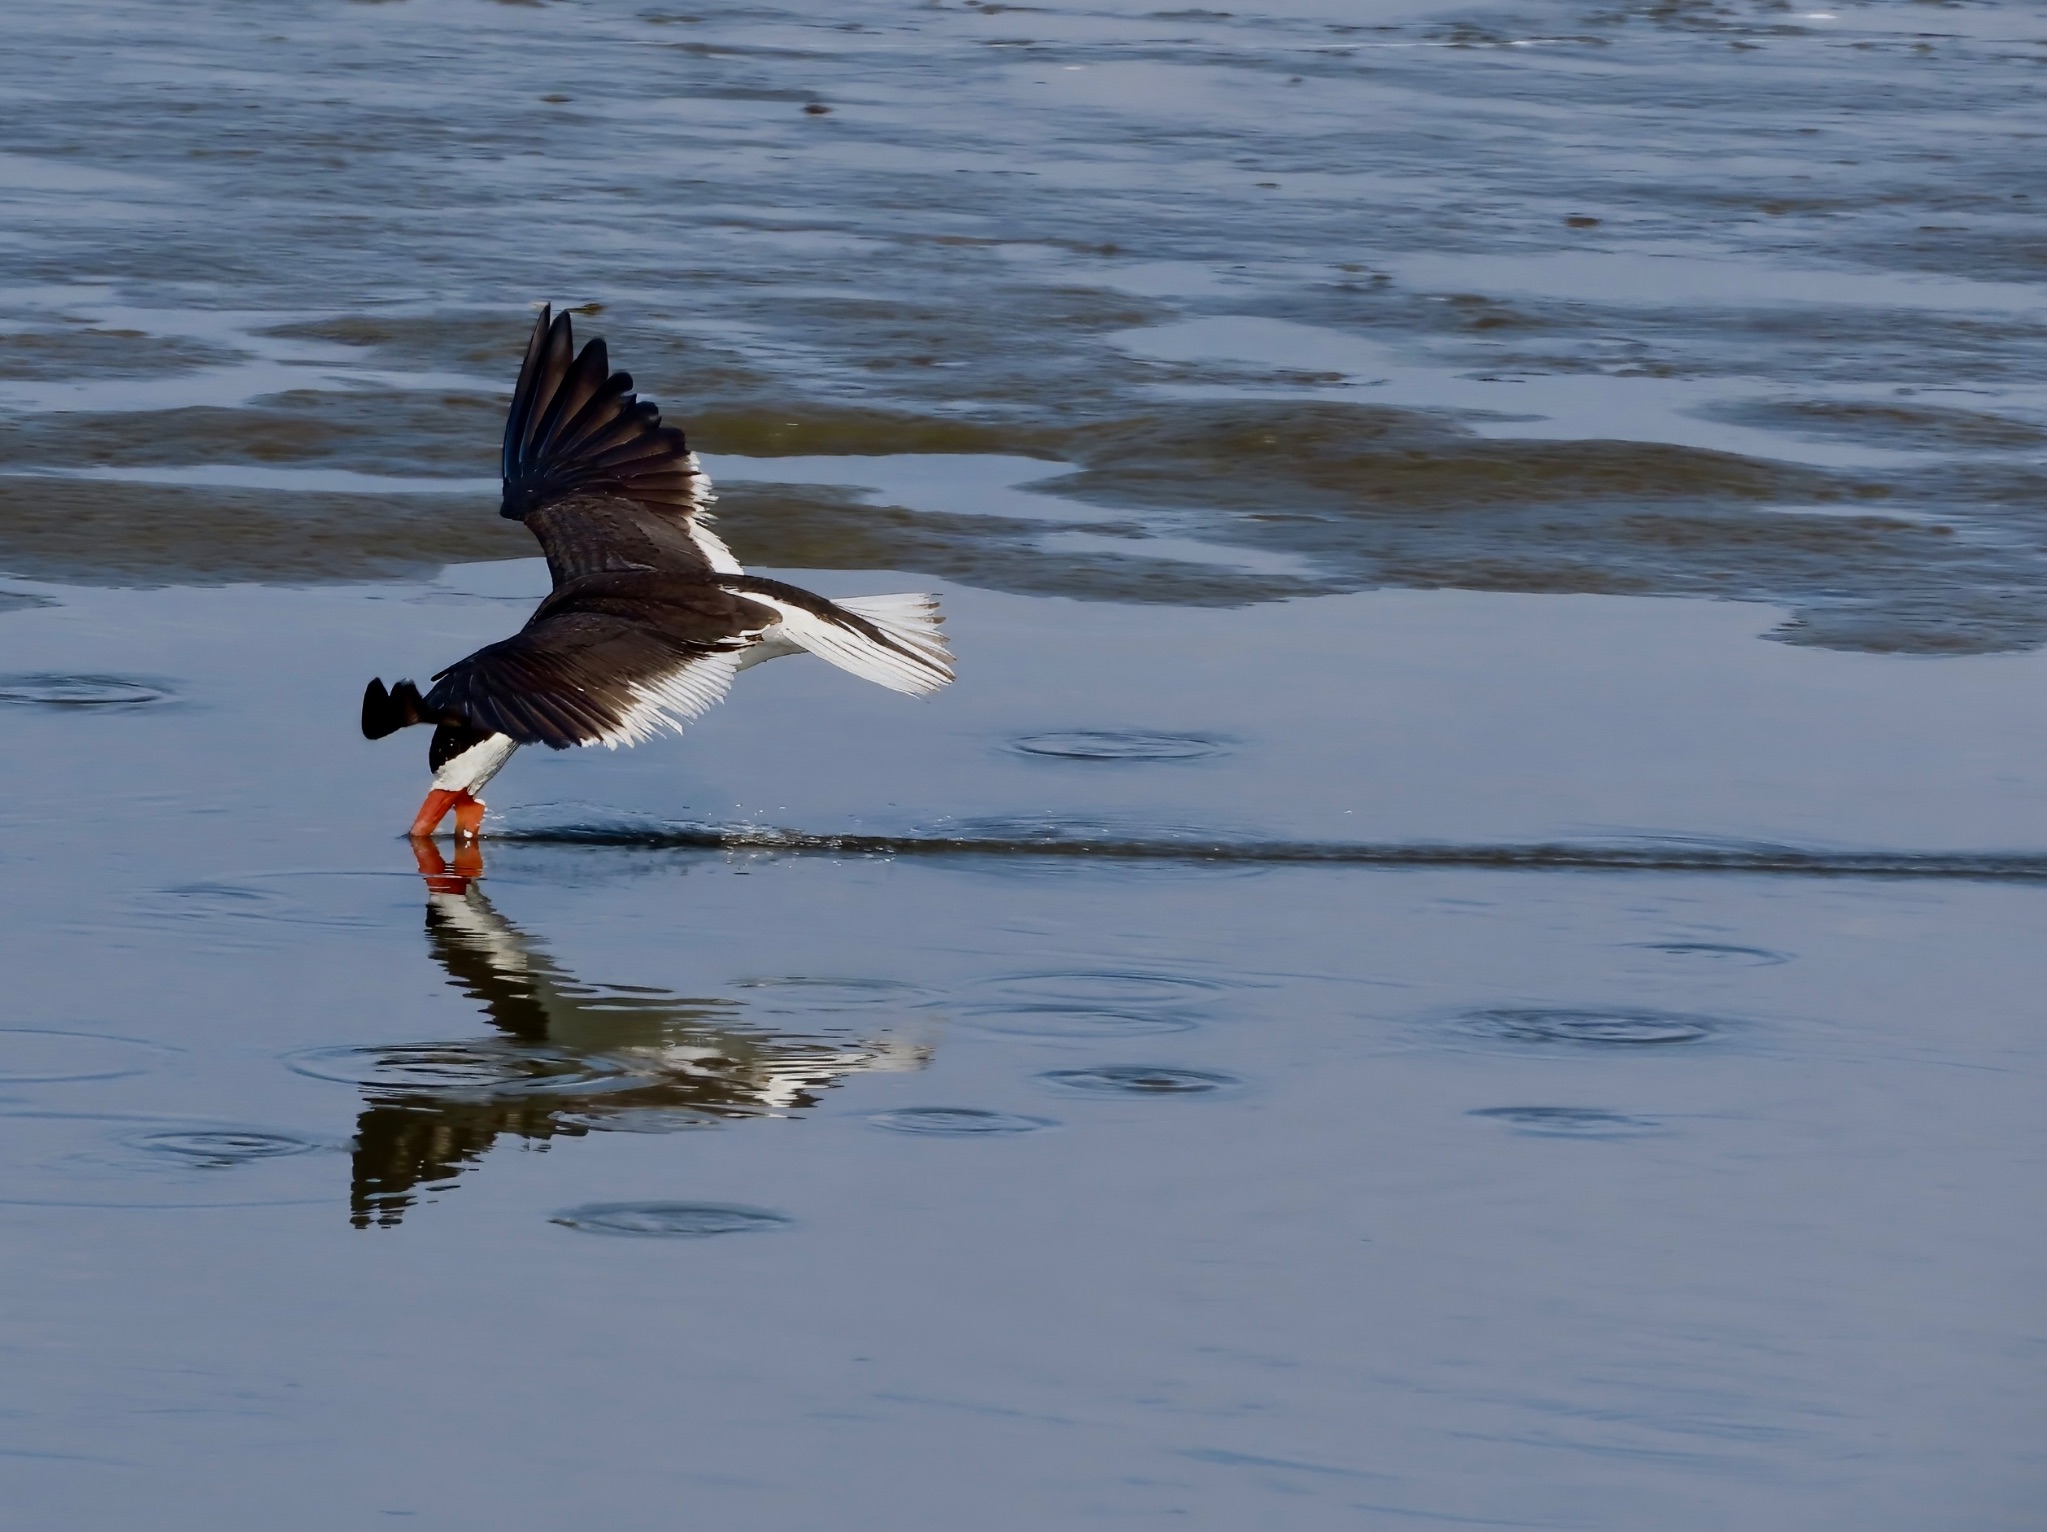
x: 650, y: 618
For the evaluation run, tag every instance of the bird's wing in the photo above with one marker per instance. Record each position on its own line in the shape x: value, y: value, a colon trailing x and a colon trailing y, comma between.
x: 589, y: 467
x: 607, y: 659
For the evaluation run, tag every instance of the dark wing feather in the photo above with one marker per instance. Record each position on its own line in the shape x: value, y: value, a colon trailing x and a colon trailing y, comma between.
x: 607, y: 659
x: 572, y: 679
x: 590, y: 468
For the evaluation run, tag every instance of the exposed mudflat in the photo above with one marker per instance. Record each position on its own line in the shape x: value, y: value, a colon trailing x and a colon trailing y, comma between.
x: 1724, y: 300
x: 1464, y: 952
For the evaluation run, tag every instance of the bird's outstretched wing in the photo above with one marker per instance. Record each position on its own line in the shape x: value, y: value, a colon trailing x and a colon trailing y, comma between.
x: 608, y: 659
x: 651, y: 616
x: 589, y: 467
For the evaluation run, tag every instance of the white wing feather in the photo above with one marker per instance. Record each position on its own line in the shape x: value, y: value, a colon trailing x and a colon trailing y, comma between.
x: 709, y: 543
x: 670, y: 700
x: 920, y: 665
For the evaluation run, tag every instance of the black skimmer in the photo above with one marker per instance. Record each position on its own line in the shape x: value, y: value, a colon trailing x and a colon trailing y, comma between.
x: 650, y: 617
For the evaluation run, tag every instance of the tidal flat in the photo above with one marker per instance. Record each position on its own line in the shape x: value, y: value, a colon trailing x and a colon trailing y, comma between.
x: 1463, y: 951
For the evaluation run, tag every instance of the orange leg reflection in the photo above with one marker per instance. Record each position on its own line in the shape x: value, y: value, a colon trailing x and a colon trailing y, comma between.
x: 440, y: 878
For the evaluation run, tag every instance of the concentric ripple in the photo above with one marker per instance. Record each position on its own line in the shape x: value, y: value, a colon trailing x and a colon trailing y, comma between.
x: 1570, y: 1121
x: 485, y: 1068
x: 205, y: 900
x: 670, y: 1220
x: 1585, y: 1027
x: 1073, y: 1022
x: 220, y: 1148
x: 957, y: 1121
x: 1718, y: 952
x: 1122, y: 989
x: 1128, y: 745
x: 47, y: 1056
x: 268, y: 901
x: 799, y: 993
x: 112, y: 693
x: 1140, y: 1080
x: 112, y: 1160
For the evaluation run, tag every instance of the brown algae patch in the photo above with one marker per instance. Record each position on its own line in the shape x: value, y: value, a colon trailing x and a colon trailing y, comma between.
x: 100, y: 533
x: 64, y: 355
x: 808, y: 526
x: 1307, y: 457
x: 1365, y: 496
x: 823, y: 431
x: 1374, y: 497
x: 1926, y: 427
x: 388, y: 432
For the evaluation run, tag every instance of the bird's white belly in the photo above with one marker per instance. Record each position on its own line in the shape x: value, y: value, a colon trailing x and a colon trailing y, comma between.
x: 467, y: 772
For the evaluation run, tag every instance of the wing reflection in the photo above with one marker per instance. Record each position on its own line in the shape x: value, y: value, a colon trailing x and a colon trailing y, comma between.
x: 572, y: 1058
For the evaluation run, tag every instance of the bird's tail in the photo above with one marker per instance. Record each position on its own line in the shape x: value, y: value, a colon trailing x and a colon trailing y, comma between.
x: 893, y: 641
x: 915, y: 629
x: 386, y: 712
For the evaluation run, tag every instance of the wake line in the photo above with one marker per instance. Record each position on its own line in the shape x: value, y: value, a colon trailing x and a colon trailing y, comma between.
x: 1775, y: 861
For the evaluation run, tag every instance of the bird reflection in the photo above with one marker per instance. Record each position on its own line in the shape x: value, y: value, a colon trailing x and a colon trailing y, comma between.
x: 570, y: 1058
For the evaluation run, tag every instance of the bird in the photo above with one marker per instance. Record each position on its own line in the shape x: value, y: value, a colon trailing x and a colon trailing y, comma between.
x: 650, y: 616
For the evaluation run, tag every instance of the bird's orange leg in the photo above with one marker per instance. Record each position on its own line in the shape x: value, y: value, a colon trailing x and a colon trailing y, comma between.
x: 434, y: 810
x: 468, y: 819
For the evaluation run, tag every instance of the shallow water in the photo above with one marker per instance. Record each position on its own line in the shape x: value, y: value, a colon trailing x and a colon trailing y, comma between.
x: 1369, y: 1004
x: 1204, y: 1185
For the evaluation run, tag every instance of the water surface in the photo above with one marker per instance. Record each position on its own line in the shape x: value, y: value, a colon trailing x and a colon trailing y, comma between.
x: 1204, y: 1184
x: 1373, y: 1002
